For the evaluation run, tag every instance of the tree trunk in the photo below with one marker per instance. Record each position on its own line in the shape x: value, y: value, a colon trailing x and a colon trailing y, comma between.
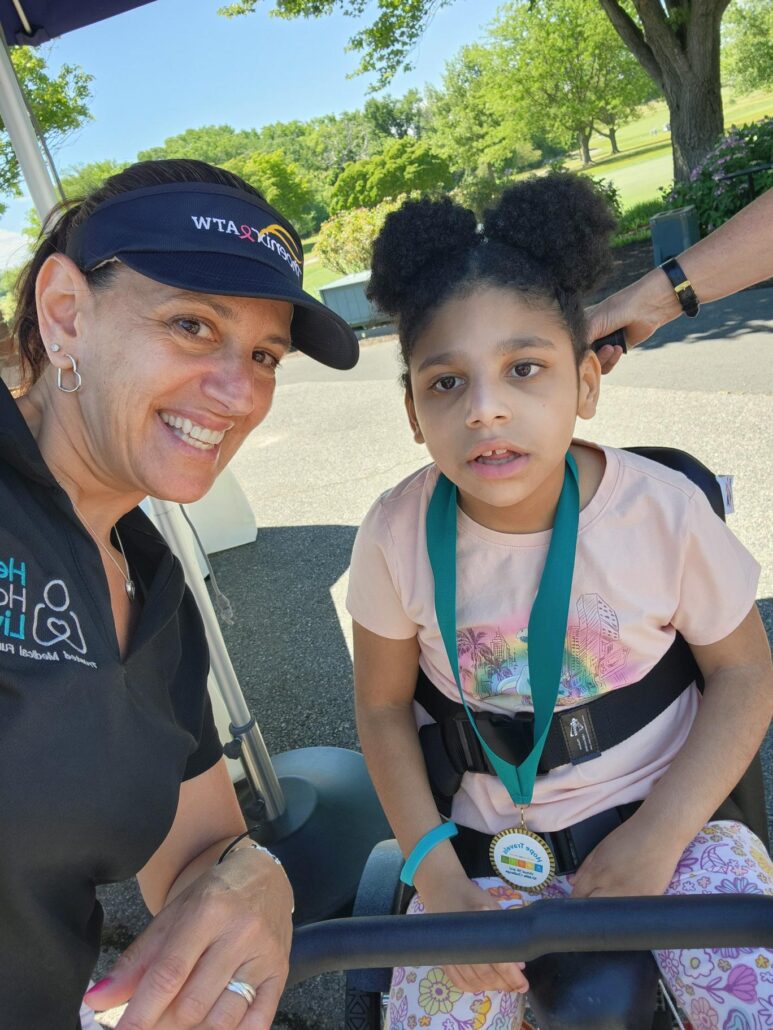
x: 697, y: 121
x: 613, y: 139
x: 680, y: 53
x: 584, y: 139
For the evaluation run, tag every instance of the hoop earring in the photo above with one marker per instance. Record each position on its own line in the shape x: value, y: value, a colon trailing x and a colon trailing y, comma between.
x: 75, y: 372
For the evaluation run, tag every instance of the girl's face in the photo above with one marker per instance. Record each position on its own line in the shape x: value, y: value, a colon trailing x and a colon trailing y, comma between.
x: 173, y: 381
x: 495, y: 395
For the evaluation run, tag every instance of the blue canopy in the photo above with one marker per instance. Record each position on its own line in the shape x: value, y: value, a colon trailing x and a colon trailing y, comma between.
x: 38, y: 21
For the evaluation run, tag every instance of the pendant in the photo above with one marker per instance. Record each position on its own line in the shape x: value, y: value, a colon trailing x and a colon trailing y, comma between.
x: 522, y: 858
x: 131, y: 590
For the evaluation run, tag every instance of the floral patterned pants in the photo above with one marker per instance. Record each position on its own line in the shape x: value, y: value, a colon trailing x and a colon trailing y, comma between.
x: 724, y: 989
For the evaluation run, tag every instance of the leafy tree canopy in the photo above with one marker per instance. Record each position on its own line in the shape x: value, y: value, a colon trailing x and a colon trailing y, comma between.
x: 748, y: 45
x: 58, y: 104
x: 403, y: 166
x: 215, y: 144
x: 282, y: 184
x: 677, y: 43
x: 562, y: 67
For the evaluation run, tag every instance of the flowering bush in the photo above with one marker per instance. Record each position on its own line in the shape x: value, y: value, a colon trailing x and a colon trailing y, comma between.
x: 717, y: 199
x: 345, y: 240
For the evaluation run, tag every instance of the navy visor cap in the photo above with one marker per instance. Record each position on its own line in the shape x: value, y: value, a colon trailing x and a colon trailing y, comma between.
x: 208, y: 238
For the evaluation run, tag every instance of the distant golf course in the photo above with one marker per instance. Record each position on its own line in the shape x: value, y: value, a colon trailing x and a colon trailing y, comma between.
x: 641, y: 169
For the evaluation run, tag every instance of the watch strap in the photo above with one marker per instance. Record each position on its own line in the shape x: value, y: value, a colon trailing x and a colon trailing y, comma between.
x: 682, y: 287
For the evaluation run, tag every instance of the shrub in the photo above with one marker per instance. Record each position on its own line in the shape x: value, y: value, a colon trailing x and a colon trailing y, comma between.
x: 609, y: 192
x: 634, y: 223
x: 345, y: 240
x: 716, y: 200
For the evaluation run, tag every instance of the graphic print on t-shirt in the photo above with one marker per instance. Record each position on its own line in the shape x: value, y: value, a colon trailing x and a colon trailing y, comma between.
x: 494, y: 660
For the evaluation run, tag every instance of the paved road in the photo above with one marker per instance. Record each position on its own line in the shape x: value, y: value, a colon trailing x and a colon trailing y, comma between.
x: 335, y: 440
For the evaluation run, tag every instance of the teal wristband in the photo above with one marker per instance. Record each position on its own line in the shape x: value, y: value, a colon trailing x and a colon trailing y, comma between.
x: 423, y: 847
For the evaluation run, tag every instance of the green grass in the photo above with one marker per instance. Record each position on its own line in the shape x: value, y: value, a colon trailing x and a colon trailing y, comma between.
x: 645, y: 164
x: 642, y: 168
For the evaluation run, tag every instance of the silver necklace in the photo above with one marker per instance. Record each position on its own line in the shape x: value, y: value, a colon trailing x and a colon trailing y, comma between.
x: 131, y: 590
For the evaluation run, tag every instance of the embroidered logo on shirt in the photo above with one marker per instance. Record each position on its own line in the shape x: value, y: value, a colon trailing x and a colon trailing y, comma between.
x: 51, y: 624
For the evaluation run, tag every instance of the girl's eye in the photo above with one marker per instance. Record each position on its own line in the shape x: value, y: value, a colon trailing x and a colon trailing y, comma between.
x: 193, y: 327
x: 525, y: 369
x: 263, y: 357
x: 446, y: 383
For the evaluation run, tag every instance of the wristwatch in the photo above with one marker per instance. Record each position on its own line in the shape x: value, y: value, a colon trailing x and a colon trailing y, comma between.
x: 682, y: 287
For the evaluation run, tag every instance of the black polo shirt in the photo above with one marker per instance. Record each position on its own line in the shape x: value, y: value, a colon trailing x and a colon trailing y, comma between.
x: 93, y: 748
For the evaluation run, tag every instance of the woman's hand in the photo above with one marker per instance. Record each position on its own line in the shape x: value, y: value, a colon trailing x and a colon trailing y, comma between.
x: 639, y: 310
x: 462, y: 895
x: 232, y: 923
x: 631, y: 861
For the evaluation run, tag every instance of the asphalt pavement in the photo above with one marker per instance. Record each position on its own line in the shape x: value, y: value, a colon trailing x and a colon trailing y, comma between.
x: 334, y: 441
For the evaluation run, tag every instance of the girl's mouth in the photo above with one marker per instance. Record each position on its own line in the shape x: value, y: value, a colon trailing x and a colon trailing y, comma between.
x: 498, y: 457
x: 498, y: 462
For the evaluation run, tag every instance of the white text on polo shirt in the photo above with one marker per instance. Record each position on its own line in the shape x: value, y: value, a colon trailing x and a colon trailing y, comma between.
x: 267, y: 236
x: 13, y: 598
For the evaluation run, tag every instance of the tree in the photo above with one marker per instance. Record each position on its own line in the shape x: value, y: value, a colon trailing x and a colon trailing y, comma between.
x: 215, y: 144
x: 748, y: 45
x: 77, y: 182
x: 403, y: 166
x: 480, y: 134
x: 395, y: 117
x: 282, y: 184
x: 562, y: 66
x: 677, y: 43
x: 58, y: 104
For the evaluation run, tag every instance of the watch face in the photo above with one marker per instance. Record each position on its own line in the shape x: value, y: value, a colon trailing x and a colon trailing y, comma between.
x: 522, y: 858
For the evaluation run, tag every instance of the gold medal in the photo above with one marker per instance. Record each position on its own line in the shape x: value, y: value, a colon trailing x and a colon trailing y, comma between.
x: 522, y: 858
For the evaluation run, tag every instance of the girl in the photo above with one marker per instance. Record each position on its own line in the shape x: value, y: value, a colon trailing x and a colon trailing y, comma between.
x: 460, y: 576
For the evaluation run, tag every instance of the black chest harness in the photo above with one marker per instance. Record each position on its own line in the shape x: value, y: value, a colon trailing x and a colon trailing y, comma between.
x: 576, y: 735
x: 451, y: 748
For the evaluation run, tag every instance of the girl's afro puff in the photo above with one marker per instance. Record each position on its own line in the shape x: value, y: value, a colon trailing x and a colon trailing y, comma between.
x: 561, y: 222
x: 420, y: 235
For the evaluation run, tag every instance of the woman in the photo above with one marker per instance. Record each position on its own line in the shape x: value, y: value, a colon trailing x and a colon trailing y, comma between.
x: 150, y: 324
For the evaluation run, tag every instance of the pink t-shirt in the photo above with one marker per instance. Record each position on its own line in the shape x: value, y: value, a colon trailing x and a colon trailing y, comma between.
x: 652, y: 558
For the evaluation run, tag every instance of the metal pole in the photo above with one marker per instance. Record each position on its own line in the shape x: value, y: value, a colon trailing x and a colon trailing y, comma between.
x: 252, y: 749
x: 25, y: 143
x: 250, y: 746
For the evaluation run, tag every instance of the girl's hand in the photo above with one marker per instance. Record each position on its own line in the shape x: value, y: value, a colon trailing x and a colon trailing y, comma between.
x: 631, y: 861
x: 462, y: 895
x: 232, y: 923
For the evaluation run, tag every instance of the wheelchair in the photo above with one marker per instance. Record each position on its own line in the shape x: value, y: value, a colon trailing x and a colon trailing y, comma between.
x: 586, y: 989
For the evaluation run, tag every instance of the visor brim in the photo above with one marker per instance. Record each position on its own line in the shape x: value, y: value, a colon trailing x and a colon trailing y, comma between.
x: 315, y: 330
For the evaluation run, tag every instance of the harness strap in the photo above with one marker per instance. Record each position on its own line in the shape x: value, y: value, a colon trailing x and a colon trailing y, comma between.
x: 451, y: 746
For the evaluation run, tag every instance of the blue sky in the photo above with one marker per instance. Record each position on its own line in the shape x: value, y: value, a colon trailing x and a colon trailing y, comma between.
x: 177, y: 64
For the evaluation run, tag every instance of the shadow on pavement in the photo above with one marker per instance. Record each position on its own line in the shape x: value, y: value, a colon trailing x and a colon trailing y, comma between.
x: 286, y: 643
x: 745, y: 313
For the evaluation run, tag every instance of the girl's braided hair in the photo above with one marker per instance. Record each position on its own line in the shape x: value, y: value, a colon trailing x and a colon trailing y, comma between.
x: 547, y: 238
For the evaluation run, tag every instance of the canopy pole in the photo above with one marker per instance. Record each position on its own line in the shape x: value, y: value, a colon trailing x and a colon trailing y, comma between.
x: 19, y: 127
x: 250, y: 746
x: 253, y: 754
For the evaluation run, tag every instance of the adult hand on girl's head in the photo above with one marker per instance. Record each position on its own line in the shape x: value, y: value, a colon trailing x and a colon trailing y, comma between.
x: 463, y: 895
x: 630, y: 862
x: 232, y: 923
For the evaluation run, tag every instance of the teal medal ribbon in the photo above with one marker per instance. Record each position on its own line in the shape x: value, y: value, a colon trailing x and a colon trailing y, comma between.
x: 547, y: 621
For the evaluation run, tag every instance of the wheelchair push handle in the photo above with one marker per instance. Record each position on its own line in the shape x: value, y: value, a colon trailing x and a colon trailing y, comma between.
x: 615, y: 339
x: 544, y: 927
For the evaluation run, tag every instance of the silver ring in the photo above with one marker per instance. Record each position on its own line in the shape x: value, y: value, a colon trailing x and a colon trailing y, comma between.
x: 245, y: 990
